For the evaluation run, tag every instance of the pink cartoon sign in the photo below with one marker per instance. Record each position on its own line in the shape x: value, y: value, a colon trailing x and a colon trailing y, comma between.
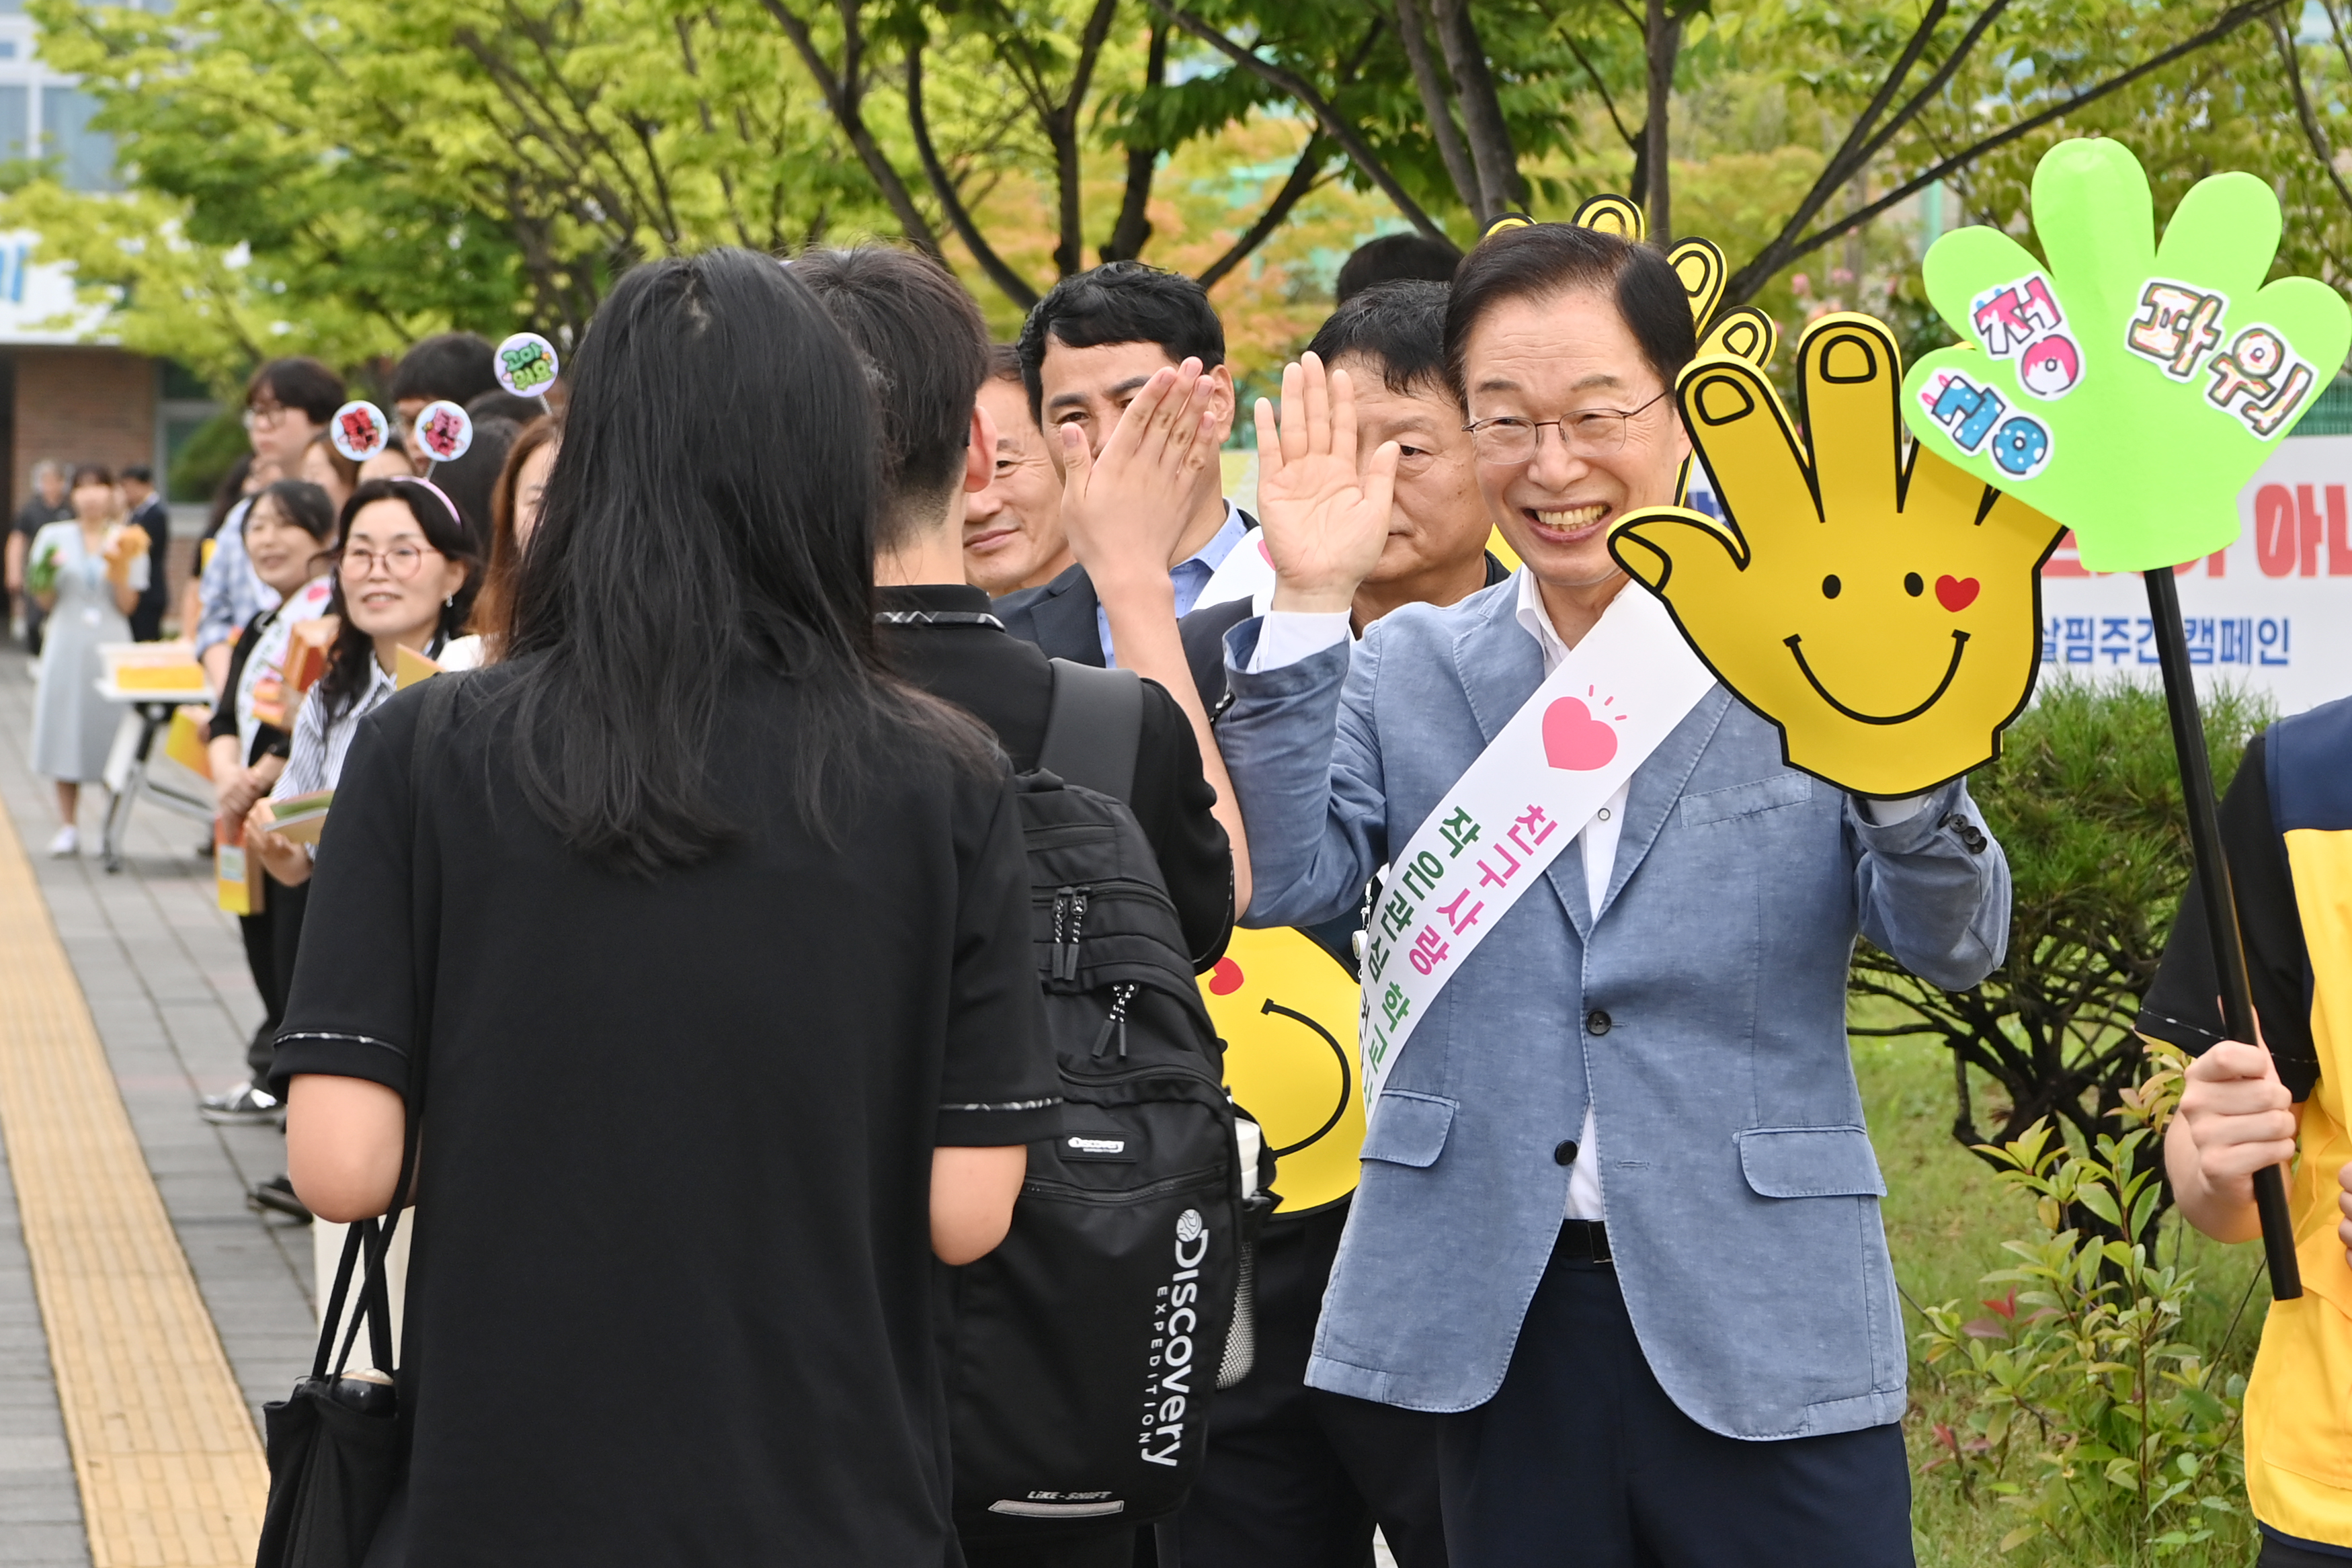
x: 359, y: 431
x: 443, y: 432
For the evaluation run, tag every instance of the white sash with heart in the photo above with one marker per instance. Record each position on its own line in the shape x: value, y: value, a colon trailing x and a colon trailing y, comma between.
x: 1594, y: 720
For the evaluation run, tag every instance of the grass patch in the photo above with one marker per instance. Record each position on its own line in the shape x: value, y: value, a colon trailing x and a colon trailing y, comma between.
x: 1946, y: 1220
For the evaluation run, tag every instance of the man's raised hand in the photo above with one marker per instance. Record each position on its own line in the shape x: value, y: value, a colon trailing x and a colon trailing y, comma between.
x: 1125, y: 509
x: 1325, y: 522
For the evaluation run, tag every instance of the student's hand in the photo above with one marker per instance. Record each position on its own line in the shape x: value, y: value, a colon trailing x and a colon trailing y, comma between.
x: 1325, y: 524
x: 281, y: 858
x: 2241, y: 1118
x: 237, y: 791
x: 1125, y: 509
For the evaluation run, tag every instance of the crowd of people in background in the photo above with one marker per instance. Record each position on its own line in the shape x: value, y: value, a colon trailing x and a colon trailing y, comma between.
x: 704, y: 914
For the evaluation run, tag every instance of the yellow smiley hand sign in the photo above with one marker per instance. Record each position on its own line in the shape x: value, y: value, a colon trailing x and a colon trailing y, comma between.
x: 1885, y: 614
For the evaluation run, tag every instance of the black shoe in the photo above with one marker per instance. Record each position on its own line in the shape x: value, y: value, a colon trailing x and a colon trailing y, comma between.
x: 276, y: 1195
x: 242, y: 1106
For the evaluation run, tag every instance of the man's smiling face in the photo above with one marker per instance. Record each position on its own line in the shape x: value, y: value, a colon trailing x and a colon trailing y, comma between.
x: 1543, y: 358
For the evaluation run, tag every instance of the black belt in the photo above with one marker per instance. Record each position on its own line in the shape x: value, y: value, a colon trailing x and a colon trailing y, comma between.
x: 1582, y: 1241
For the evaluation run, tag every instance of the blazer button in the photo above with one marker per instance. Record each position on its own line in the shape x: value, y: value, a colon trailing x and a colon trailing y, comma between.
x: 1596, y: 1022
x: 1565, y: 1154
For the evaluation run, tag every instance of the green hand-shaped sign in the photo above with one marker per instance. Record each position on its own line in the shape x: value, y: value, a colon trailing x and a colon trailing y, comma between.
x: 2127, y: 389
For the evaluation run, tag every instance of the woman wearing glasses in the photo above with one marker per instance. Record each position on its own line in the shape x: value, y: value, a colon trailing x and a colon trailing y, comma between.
x: 406, y: 579
x: 1618, y: 1216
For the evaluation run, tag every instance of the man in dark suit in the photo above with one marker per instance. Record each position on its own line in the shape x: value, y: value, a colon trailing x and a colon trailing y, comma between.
x: 147, y: 510
x: 1087, y: 351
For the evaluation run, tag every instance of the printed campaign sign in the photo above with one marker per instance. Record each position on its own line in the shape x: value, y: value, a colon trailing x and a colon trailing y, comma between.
x: 1594, y: 720
x: 444, y: 431
x: 2128, y: 388
x: 359, y: 431
x: 2266, y: 614
x: 525, y: 364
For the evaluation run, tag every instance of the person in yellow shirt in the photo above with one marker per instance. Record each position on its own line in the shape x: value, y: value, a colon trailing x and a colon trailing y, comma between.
x: 2286, y: 825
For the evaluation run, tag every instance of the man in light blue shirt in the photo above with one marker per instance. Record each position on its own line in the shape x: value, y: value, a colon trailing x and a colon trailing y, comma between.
x: 1087, y: 351
x: 286, y: 403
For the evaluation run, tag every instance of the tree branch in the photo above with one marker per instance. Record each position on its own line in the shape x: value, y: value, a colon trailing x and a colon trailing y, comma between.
x: 841, y: 95
x: 1785, y: 248
x: 1358, y: 152
x: 1634, y: 144
x: 1011, y: 284
x: 1302, y: 180
x: 2311, y: 130
x: 1436, y: 107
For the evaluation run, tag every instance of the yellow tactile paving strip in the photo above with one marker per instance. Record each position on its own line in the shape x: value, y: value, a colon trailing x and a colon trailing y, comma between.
x: 170, y: 1470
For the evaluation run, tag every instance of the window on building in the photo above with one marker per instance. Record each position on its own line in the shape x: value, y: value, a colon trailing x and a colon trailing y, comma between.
x: 87, y: 155
x: 15, y: 103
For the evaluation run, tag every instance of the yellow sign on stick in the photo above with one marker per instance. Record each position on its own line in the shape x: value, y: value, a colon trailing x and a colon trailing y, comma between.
x: 1287, y: 1010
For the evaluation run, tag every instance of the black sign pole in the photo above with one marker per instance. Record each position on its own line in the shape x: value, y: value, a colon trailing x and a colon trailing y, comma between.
x: 2220, y: 905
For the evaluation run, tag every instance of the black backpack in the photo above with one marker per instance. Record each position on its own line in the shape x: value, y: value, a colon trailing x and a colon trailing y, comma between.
x: 1084, y: 1350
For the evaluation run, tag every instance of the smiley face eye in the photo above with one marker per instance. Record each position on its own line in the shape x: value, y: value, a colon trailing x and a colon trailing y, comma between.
x: 1831, y: 586
x: 1911, y: 584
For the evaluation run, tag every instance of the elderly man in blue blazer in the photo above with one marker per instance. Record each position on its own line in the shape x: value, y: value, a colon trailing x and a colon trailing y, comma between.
x: 1618, y: 1211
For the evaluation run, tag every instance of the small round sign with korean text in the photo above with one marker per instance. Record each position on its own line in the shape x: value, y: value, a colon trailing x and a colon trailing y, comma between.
x: 443, y: 432
x: 526, y: 364
x: 359, y: 431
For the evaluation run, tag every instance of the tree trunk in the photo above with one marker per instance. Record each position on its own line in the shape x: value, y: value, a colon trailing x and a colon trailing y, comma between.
x: 1436, y: 106
x: 1132, y: 232
x: 1482, y: 112
x: 1664, y: 41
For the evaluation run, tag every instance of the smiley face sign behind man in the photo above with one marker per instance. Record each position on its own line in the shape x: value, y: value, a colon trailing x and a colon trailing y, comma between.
x: 1883, y: 615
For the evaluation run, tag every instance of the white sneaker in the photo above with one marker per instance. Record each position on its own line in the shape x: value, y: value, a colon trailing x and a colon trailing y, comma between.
x: 67, y: 842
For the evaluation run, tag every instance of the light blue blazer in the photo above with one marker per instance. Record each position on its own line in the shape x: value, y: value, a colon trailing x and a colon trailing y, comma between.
x: 1740, y: 1188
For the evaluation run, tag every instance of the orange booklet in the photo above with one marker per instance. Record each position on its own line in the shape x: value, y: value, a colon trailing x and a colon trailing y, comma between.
x: 308, y: 646
x: 236, y: 876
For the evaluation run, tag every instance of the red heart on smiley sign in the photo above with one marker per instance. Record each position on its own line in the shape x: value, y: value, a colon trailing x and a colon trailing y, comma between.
x: 1956, y: 593
x: 1574, y: 741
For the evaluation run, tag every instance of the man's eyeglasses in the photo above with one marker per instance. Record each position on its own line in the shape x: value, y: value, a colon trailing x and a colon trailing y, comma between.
x: 403, y: 561
x: 265, y: 416
x: 1509, y: 440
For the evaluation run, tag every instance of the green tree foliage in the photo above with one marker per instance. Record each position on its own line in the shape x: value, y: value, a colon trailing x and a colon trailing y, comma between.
x: 338, y: 177
x: 2086, y: 801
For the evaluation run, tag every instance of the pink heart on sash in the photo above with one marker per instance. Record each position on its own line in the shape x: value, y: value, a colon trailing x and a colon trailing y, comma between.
x: 1575, y: 740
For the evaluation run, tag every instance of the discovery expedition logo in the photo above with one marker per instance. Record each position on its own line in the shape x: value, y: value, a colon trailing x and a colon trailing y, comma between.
x: 1169, y: 1387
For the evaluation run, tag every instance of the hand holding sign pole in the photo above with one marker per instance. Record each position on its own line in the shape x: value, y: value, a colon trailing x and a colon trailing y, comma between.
x: 2130, y: 388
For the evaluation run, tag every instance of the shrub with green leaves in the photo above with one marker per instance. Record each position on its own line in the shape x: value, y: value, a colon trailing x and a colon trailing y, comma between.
x: 2114, y: 1439
x: 2086, y: 801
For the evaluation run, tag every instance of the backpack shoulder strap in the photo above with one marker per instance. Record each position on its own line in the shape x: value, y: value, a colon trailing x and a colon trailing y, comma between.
x: 1093, y: 727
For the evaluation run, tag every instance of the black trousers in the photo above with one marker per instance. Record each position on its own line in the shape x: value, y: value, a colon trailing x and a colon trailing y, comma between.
x: 1581, y: 1461
x: 272, y: 938
x: 2285, y: 1552
x: 1297, y: 1477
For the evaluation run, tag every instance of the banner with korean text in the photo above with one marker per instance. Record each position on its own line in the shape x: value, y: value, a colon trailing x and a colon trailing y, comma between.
x: 1594, y: 720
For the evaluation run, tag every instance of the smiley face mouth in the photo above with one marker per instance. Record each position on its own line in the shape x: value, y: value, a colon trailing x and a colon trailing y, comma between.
x: 1960, y: 646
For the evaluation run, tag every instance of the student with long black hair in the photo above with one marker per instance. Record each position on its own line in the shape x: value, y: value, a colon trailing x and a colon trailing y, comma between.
x: 731, y: 1024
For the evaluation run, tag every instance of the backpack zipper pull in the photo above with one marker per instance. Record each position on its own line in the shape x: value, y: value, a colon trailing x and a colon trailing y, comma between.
x: 1061, y: 930
x: 1121, y: 996
x: 1066, y: 955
